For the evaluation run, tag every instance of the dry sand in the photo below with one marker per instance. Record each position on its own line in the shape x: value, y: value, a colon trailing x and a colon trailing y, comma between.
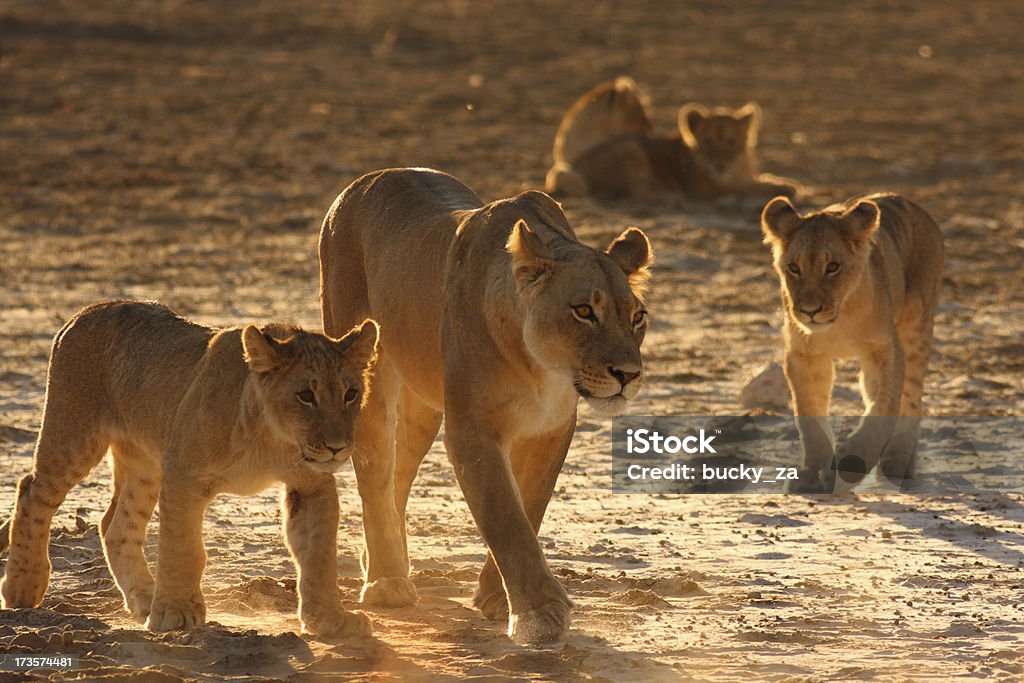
x: 186, y: 152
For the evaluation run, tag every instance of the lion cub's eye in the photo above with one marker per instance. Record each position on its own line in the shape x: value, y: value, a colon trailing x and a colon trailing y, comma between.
x: 639, y: 317
x: 306, y: 397
x: 793, y: 268
x: 584, y: 312
x: 351, y: 395
x: 832, y: 268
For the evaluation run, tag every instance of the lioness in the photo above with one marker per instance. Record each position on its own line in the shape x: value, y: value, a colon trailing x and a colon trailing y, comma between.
x: 614, y: 154
x: 859, y: 280
x: 189, y: 412
x: 498, y: 318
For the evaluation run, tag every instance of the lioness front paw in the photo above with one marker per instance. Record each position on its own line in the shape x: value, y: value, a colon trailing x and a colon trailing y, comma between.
x: 23, y: 589
x: 390, y: 591
x: 543, y: 625
x: 166, y: 615
x: 336, y: 624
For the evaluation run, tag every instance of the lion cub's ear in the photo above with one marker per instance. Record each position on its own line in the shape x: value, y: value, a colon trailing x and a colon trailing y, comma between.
x: 360, y: 343
x: 632, y: 251
x: 750, y: 115
x: 260, y: 350
x: 691, y: 117
x: 531, y: 258
x: 861, y: 222
x: 779, y: 220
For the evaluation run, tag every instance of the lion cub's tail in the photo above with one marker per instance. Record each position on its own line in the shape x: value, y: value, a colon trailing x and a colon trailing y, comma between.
x: 564, y: 180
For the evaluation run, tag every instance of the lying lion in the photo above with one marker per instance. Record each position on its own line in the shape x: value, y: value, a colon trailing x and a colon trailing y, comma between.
x: 496, y: 317
x: 605, y: 147
x: 188, y: 412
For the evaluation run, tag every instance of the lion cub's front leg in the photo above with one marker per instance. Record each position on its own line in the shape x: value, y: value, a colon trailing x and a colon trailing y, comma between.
x: 810, y: 378
x: 178, y: 599
x: 311, y: 532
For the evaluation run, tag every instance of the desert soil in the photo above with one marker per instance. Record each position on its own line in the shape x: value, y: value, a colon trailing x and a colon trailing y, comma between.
x: 186, y: 152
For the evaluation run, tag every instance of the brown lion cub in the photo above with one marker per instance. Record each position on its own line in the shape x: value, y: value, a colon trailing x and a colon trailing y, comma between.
x: 605, y: 147
x: 189, y: 412
x: 859, y: 280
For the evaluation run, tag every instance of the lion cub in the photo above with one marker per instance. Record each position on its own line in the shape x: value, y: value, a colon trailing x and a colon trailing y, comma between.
x: 859, y: 280
x: 189, y: 412
x: 605, y: 147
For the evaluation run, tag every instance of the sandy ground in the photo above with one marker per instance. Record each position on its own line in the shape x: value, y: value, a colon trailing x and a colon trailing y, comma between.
x: 187, y: 151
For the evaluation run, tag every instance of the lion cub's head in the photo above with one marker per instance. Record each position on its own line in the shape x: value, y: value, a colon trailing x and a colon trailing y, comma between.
x: 819, y: 257
x: 583, y: 309
x: 722, y: 140
x: 310, y: 387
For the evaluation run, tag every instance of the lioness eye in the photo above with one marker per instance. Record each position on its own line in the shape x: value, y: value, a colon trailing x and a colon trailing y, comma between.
x: 351, y: 395
x: 832, y: 267
x: 584, y: 312
x: 306, y: 397
x: 638, y: 318
x: 794, y: 268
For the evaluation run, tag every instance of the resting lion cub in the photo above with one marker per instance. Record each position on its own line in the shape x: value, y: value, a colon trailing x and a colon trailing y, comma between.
x: 859, y: 280
x: 189, y: 412
x: 497, y: 317
x: 605, y: 147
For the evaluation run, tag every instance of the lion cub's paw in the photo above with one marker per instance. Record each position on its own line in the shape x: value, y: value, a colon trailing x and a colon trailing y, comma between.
x: 337, y: 624
x: 23, y: 589
x: 543, y: 625
x: 177, y: 615
x: 138, y: 603
x: 391, y: 591
x: 493, y: 606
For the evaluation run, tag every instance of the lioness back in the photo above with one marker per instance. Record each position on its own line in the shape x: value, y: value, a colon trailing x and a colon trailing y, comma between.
x: 609, y: 110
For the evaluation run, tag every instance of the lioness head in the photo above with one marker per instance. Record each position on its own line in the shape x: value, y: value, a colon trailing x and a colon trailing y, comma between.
x: 311, y: 387
x: 819, y: 257
x: 583, y: 309
x: 722, y: 139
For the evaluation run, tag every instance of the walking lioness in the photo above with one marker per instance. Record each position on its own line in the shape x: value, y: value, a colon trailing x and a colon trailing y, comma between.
x: 497, y: 318
x: 859, y: 280
x: 189, y: 412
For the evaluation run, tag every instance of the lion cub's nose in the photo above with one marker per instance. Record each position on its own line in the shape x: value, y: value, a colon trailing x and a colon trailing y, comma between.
x: 811, y: 313
x: 624, y: 377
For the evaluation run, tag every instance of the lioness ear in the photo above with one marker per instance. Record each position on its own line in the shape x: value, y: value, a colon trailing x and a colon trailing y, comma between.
x: 531, y: 258
x: 360, y: 343
x: 691, y: 118
x: 260, y: 350
x: 862, y: 221
x: 750, y: 114
x: 778, y: 220
x: 632, y: 251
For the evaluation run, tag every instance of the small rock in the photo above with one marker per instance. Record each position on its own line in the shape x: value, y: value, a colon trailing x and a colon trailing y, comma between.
x: 766, y: 388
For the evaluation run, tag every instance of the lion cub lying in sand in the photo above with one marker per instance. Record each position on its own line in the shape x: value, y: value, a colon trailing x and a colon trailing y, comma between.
x: 605, y: 147
x: 859, y: 280
x: 189, y: 412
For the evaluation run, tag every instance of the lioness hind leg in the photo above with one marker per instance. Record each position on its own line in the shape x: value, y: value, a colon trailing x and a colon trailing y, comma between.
x: 123, y: 530
x: 63, y: 458
x: 536, y: 464
x: 417, y: 428
x: 385, y: 562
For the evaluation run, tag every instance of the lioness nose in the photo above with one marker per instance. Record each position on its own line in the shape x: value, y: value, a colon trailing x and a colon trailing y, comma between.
x: 623, y: 376
x: 811, y: 312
